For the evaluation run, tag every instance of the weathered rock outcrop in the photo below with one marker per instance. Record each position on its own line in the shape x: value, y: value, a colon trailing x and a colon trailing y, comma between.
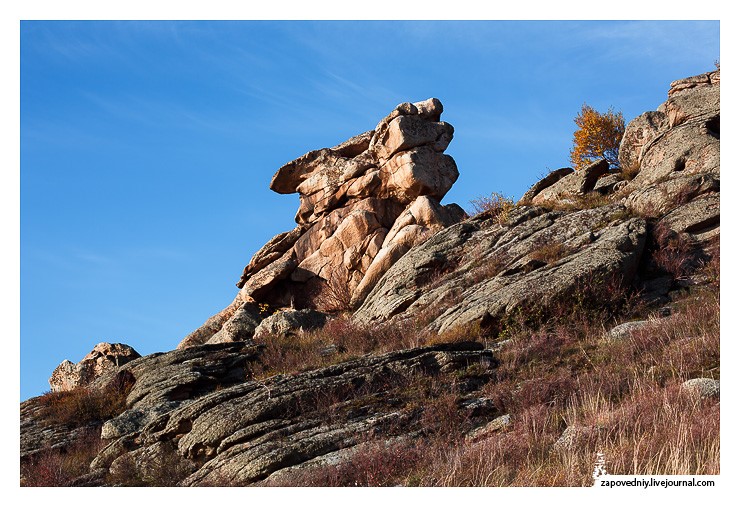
x: 677, y: 157
x: 485, y: 271
x: 103, y: 358
x: 196, y: 409
x: 481, y: 270
x: 290, y: 322
x: 373, y: 235
x: 363, y: 204
x: 575, y: 184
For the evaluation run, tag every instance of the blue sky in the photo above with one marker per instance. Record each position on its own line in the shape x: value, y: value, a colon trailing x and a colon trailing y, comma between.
x: 147, y: 148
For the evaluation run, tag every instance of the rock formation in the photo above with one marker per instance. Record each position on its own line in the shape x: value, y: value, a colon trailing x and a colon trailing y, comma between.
x: 372, y: 235
x: 363, y: 204
x: 103, y: 358
x: 566, y: 234
x: 485, y: 272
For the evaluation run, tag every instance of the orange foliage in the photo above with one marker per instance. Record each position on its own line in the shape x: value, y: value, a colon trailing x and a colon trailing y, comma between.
x: 598, y: 136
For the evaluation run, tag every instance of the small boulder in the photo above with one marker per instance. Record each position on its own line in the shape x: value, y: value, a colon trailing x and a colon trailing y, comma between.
x: 548, y: 181
x: 478, y: 406
x: 626, y: 329
x: 575, y: 436
x: 702, y: 387
x: 575, y: 184
x: 486, y: 430
x: 240, y: 327
x: 287, y: 323
x: 607, y: 184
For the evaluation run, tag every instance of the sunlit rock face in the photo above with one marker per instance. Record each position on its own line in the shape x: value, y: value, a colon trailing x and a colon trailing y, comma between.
x: 103, y: 358
x: 363, y: 204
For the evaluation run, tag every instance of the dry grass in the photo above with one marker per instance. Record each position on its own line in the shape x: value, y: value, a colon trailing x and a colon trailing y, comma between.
x: 556, y: 370
x: 654, y: 430
x: 497, y: 206
x: 485, y: 268
x: 83, y: 405
x: 589, y: 200
x: 84, y: 408
x: 371, y: 463
x: 340, y: 339
x: 162, y: 466
x: 551, y: 252
x: 332, y: 295
x: 627, y: 394
x: 61, y: 466
x: 672, y: 252
x: 628, y: 173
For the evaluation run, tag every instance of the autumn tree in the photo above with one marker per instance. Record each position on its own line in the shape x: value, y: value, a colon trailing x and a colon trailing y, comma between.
x: 598, y: 136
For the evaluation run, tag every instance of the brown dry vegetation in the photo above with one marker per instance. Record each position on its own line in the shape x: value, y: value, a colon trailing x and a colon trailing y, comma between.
x: 83, y: 405
x: 560, y: 373
x: 497, y: 206
x: 85, y: 408
x: 578, y: 202
x: 556, y: 373
x: 555, y: 369
x: 672, y: 252
x: 551, y: 252
x: 61, y: 467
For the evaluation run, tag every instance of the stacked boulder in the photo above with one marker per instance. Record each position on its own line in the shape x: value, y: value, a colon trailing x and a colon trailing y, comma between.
x: 363, y: 205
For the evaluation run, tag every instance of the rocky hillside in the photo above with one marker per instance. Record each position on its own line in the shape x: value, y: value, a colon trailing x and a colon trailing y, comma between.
x: 389, y: 339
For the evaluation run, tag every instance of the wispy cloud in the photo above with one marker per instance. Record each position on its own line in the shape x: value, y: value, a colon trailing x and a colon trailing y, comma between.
x: 334, y: 85
x: 74, y: 259
x: 630, y: 39
x: 128, y: 107
x: 94, y: 258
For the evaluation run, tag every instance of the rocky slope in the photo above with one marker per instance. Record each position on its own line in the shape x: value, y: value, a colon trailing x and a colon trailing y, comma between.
x: 434, y: 297
x: 576, y: 228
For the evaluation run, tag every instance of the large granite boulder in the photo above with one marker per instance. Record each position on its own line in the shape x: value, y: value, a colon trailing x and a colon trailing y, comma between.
x: 639, y: 134
x: 679, y: 140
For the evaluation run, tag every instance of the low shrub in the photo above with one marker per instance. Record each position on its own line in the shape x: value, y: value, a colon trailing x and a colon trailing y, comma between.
x: 672, y: 252
x: 83, y: 405
x: 332, y: 295
x: 53, y: 467
x: 497, y: 206
x: 374, y: 463
x: 551, y: 252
